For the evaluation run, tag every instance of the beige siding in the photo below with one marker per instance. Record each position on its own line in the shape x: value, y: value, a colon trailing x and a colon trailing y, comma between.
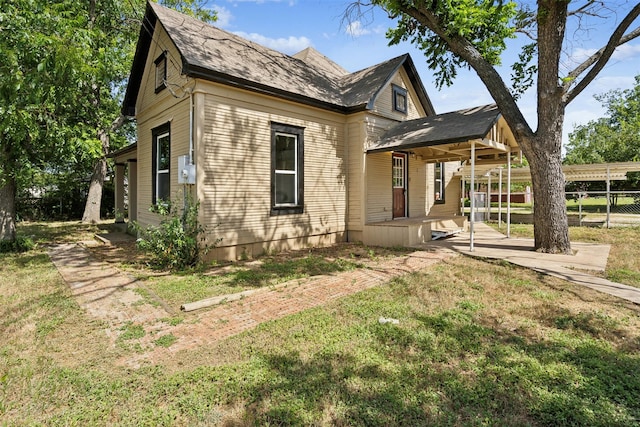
x: 451, y: 205
x: 177, y: 115
x: 379, y: 192
x: 234, y: 163
x: 147, y: 97
x: 355, y: 172
x: 384, y: 102
x: 417, y: 171
x: 153, y: 110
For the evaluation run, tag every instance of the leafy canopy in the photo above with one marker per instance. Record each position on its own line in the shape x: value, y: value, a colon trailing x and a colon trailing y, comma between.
x: 485, y: 24
x: 613, y: 138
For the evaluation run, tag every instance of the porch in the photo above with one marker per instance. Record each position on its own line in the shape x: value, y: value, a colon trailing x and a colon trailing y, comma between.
x: 408, y: 232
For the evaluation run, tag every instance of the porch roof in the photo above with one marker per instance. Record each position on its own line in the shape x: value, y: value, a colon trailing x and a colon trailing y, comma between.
x: 125, y: 154
x: 449, y: 136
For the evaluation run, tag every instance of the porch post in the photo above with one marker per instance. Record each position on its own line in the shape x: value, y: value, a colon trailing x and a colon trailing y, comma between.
x: 608, y: 197
x: 119, y: 192
x: 462, y: 195
x: 133, y: 190
x: 488, y: 196
x: 472, y: 194
x: 509, y: 194
x: 500, y: 197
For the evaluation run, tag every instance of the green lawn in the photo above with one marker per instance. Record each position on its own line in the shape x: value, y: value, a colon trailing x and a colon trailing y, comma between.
x: 478, y: 343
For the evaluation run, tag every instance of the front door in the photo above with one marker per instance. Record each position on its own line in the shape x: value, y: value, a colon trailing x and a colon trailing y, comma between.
x: 399, y: 177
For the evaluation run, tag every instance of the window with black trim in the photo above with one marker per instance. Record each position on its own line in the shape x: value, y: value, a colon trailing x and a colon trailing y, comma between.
x: 438, y: 183
x: 287, y: 169
x: 161, y: 71
x: 399, y: 99
x: 161, y: 164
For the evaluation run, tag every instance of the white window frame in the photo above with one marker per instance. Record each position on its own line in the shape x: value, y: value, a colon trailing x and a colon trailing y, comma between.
x: 439, y: 182
x: 293, y: 172
x: 159, y: 171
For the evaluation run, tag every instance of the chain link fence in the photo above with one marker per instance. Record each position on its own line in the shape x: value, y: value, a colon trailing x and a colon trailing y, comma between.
x: 609, y: 209
x: 584, y: 208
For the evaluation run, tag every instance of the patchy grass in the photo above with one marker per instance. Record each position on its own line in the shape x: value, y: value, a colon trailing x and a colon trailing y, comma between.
x: 477, y: 343
x: 165, y: 340
x: 623, y: 265
x: 269, y: 270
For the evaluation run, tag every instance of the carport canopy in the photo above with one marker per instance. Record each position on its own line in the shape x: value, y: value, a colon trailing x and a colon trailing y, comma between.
x: 572, y: 173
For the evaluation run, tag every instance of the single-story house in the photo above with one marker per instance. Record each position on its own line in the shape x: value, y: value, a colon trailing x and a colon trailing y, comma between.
x: 285, y: 152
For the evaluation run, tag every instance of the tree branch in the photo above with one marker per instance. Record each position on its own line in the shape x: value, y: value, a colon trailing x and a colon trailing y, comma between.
x: 485, y: 71
x: 599, y: 59
x: 583, y: 10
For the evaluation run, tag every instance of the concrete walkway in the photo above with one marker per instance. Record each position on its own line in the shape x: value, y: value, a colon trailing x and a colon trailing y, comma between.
x: 588, y: 258
x: 108, y: 294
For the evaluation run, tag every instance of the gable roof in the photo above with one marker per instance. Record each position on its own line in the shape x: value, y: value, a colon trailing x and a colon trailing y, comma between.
x: 456, y: 126
x: 323, y: 64
x: 213, y: 54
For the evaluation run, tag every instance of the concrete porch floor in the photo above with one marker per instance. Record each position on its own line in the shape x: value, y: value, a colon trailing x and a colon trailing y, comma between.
x: 588, y: 259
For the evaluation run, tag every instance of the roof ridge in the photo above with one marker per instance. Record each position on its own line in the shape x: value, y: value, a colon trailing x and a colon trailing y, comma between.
x: 217, y: 55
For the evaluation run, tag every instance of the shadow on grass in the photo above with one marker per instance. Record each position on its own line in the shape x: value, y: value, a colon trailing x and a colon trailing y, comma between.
x: 451, y: 370
x: 277, y: 271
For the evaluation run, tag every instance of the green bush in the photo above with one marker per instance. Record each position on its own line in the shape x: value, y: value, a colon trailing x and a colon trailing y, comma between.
x: 178, y: 242
x: 20, y: 244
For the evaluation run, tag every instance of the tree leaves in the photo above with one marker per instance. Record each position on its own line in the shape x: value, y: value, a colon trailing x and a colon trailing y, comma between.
x: 613, y: 138
x: 484, y: 23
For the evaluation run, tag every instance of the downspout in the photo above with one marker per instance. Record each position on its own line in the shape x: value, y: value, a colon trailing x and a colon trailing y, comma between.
x: 191, y: 127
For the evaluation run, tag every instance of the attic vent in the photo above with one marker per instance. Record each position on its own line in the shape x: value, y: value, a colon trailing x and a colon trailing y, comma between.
x: 161, y: 71
x: 399, y: 99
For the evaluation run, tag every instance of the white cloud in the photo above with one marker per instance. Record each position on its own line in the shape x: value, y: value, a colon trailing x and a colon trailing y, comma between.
x: 288, y: 45
x: 622, y: 53
x: 224, y: 16
x: 627, y: 51
x: 356, y: 29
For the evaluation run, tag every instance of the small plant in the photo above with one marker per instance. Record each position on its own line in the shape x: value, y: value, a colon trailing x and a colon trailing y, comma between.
x: 131, y: 331
x: 20, y: 244
x: 177, y: 243
x: 173, y: 321
x: 165, y: 340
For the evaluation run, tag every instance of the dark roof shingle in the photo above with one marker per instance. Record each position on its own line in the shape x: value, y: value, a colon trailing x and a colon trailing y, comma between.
x: 211, y: 53
x: 456, y: 126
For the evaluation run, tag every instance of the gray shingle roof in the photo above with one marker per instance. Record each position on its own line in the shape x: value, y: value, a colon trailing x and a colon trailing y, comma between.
x: 456, y: 126
x: 320, y: 62
x: 214, y: 54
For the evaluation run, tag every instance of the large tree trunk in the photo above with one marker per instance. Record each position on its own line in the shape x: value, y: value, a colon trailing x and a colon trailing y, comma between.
x: 94, y: 198
x: 550, y: 224
x: 8, y: 209
x: 544, y: 150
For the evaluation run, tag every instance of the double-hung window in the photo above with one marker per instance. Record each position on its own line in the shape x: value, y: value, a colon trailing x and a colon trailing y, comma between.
x: 161, y: 164
x: 287, y: 169
x: 439, y: 184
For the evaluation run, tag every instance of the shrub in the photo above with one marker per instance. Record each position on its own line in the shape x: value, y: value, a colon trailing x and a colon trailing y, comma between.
x: 178, y: 242
x: 20, y: 244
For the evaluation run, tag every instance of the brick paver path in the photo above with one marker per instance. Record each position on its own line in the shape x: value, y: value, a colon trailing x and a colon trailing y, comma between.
x: 110, y: 295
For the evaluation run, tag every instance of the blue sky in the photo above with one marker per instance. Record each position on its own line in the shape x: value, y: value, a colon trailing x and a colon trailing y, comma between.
x: 292, y: 25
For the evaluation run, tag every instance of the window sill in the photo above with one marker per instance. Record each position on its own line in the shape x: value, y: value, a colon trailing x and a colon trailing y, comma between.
x: 289, y: 210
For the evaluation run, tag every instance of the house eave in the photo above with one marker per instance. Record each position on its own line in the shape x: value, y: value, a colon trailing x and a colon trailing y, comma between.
x: 228, y: 80
x: 423, y: 144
